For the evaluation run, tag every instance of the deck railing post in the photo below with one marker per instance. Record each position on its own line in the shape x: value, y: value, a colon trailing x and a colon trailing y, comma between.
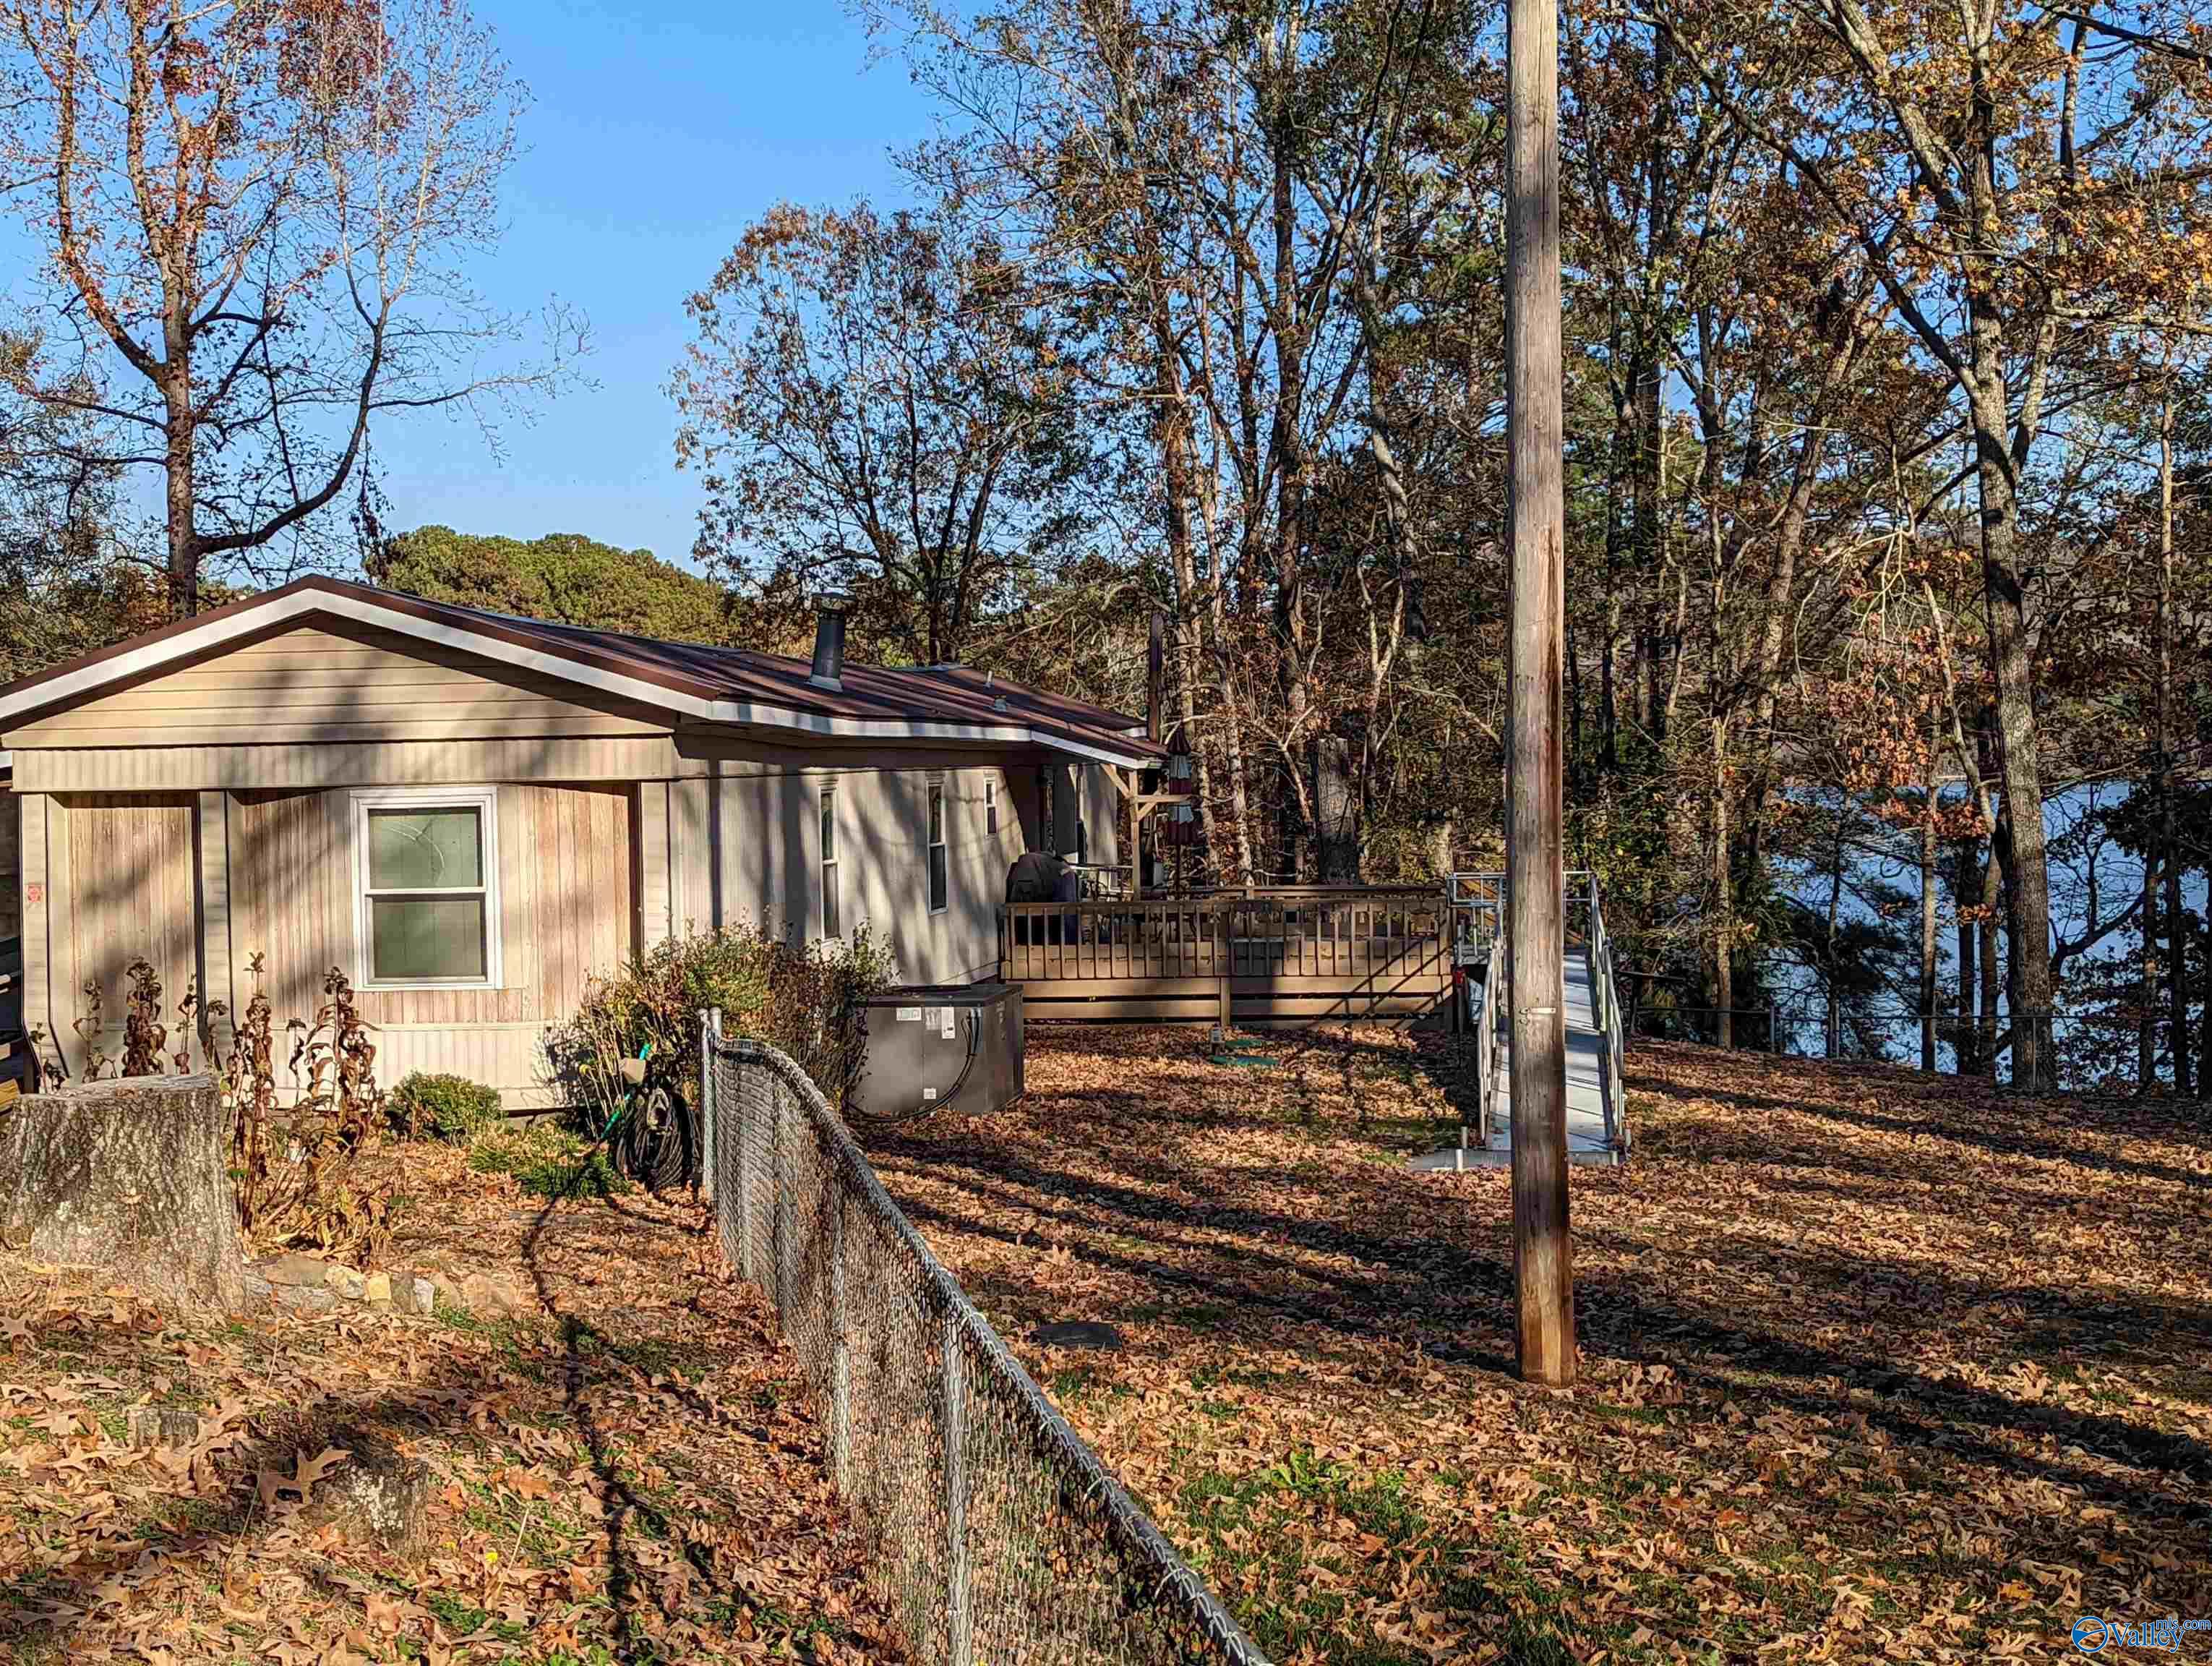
x: 1224, y: 952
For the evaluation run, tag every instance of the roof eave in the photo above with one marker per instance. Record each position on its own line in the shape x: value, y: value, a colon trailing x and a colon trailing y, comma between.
x: 683, y: 698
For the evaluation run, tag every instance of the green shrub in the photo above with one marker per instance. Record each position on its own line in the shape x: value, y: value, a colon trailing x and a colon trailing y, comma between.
x: 445, y: 1107
x: 809, y: 1001
x: 546, y: 1161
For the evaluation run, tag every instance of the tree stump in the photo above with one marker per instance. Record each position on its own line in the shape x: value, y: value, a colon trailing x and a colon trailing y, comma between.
x: 128, y: 1176
x: 378, y: 1496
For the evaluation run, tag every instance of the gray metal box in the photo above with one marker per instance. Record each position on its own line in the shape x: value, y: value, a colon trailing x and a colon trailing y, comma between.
x: 937, y: 1047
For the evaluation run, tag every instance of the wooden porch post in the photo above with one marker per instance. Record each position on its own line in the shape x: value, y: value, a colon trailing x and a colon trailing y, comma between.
x: 1225, y: 955
x: 211, y: 826
x: 37, y: 943
x: 1543, y: 1265
x: 1136, y: 838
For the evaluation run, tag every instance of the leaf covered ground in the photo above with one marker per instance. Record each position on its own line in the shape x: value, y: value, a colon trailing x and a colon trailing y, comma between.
x: 629, y: 1472
x: 1872, y: 1367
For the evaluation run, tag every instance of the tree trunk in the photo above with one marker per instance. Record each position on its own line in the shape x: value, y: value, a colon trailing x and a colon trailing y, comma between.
x: 1776, y: 607
x: 1336, y: 810
x: 2205, y: 1035
x: 2177, y: 920
x: 1928, y: 912
x: 2011, y: 657
x: 1616, y: 455
x: 1985, y: 941
x: 1574, y: 706
x: 1835, y: 1036
x: 184, y: 564
x: 1967, y: 1051
x: 1724, y: 893
x: 132, y: 1175
x: 1240, y: 798
x: 2147, y: 1020
x: 1992, y: 902
x: 2012, y: 963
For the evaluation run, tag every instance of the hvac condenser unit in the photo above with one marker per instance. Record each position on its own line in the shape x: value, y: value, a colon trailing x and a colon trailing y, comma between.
x: 941, y: 1046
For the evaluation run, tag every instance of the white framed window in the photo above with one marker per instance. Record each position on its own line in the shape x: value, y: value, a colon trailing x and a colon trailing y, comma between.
x: 427, y: 888
x: 991, y: 805
x: 940, y: 865
x: 833, y: 923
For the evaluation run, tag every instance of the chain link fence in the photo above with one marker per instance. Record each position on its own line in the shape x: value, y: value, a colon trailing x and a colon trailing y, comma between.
x: 998, y: 1537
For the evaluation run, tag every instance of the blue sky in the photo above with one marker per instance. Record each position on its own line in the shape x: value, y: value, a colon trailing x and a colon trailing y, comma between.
x: 656, y: 131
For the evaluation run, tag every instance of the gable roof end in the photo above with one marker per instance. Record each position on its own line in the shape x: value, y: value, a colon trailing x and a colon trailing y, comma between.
x: 690, y: 681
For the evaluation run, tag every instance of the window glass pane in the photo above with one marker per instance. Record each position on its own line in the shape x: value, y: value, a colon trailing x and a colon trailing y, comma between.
x: 423, y: 850
x: 831, y: 926
x: 828, y: 824
x: 937, y: 877
x: 414, y: 939
x: 936, y: 814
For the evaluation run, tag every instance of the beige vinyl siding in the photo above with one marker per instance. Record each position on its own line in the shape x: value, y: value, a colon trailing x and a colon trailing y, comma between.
x: 770, y: 868
x: 1105, y: 815
x: 510, y: 1057
x: 130, y: 899
x: 883, y: 821
x: 312, y: 686
x: 566, y: 907
x: 694, y: 896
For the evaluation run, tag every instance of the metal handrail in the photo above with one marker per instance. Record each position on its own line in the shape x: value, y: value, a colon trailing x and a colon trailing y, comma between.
x: 1486, y: 1049
x: 1478, y: 897
x: 1606, y: 998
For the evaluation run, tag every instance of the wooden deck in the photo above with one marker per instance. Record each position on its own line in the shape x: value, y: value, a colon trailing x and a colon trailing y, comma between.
x: 1279, y: 957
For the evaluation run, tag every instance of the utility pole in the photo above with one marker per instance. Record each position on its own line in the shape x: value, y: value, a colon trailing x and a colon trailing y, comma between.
x: 1543, y: 1263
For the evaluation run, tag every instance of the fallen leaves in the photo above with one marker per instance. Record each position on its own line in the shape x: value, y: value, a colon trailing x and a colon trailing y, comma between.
x: 273, y: 1483
x: 634, y: 1474
x: 1872, y: 1366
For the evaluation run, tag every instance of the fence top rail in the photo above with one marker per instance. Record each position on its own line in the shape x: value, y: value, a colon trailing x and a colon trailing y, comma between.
x: 1140, y: 1537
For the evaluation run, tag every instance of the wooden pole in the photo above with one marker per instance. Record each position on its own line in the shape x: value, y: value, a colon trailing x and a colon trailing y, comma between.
x: 1136, y: 840
x: 1536, y: 939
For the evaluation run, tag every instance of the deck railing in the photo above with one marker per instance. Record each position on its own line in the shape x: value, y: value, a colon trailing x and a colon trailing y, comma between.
x: 1286, y: 953
x: 1310, y: 931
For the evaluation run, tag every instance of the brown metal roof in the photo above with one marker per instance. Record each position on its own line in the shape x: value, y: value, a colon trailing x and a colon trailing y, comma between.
x: 761, y: 685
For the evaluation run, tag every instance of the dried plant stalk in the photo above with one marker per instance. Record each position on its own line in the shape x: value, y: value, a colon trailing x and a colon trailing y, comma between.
x: 144, y: 1035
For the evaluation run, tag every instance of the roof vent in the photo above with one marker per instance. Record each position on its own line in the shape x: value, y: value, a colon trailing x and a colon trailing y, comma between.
x: 828, y: 670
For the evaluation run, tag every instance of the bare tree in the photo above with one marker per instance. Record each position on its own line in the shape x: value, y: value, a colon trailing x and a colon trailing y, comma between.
x: 253, y: 214
x: 875, y: 402
x: 1982, y: 162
